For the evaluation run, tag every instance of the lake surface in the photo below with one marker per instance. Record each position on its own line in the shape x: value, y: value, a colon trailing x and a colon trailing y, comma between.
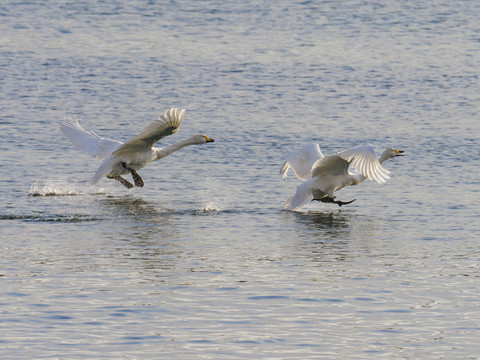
x: 203, y: 263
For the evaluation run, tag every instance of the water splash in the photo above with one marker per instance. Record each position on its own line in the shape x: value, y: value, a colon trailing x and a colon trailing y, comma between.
x: 208, y: 206
x: 52, y: 188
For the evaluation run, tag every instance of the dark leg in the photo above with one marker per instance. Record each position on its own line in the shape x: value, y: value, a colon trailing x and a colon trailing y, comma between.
x: 137, y: 179
x: 122, y: 181
x: 340, y: 203
x: 328, y: 199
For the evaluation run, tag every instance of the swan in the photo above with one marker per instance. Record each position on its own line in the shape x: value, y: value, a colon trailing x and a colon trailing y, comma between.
x: 324, y: 175
x: 126, y: 158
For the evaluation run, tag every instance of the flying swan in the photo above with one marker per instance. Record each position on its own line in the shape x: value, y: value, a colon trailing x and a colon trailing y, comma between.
x: 126, y: 158
x: 325, y: 175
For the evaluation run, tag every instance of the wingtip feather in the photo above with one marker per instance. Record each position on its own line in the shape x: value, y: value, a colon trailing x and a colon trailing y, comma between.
x: 284, y: 170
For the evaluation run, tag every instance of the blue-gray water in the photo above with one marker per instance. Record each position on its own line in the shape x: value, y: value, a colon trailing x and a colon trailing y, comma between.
x: 202, y: 263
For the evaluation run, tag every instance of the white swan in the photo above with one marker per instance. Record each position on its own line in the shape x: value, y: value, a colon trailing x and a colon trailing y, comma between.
x: 325, y: 175
x: 127, y: 158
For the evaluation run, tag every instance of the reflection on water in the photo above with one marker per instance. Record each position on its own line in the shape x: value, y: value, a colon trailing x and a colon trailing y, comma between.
x: 128, y: 205
x: 328, y: 224
x: 322, y: 236
x: 143, y: 220
x: 143, y: 233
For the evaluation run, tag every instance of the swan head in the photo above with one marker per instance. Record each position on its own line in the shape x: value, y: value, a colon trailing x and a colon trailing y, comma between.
x: 201, y: 139
x: 391, y: 153
x: 397, y: 152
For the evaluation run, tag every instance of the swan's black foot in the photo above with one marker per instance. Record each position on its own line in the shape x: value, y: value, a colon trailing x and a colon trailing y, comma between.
x: 122, y: 181
x: 332, y: 200
x: 340, y: 203
x: 137, y: 179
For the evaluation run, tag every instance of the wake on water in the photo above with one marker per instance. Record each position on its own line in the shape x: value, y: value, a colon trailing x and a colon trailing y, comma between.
x: 53, y: 188
x: 62, y: 187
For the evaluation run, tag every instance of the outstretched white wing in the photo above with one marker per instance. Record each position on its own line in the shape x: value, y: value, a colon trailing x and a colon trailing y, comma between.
x: 301, y: 161
x: 86, y: 140
x: 364, y: 159
x: 165, y: 125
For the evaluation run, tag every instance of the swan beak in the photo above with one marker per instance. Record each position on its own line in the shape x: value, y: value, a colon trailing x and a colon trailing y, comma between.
x: 398, y: 152
x: 207, y: 139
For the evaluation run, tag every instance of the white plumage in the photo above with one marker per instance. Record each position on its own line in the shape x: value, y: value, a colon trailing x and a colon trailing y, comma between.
x: 86, y: 140
x: 124, y: 158
x: 301, y: 161
x: 325, y: 175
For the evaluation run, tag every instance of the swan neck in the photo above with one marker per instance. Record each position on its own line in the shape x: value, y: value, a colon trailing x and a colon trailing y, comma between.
x: 384, y: 157
x: 161, y: 153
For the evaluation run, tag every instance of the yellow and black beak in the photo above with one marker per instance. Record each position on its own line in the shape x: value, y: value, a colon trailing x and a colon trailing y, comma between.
x: 398, y: 152
x: 207, y: 139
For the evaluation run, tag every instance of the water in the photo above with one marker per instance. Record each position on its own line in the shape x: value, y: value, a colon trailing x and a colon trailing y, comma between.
x: 202, y: 263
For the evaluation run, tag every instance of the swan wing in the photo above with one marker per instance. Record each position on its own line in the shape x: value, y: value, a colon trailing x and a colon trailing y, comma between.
x: 301, y: 161
x: 166, y: 124
x: 364, y: 159
x: 332, y: 165
x: 86, y: 140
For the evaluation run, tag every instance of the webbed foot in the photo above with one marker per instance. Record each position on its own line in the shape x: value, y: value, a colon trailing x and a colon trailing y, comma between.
x: 122, y: 181
x: 332, y: 200
x: 137, y: 179
x: 340, y: 203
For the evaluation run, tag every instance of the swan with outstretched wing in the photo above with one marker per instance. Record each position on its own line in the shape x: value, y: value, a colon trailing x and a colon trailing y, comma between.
x: 126, y: 158
x: 324, y: 175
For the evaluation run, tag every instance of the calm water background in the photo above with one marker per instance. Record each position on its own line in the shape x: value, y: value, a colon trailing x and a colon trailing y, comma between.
x: 202, y: 263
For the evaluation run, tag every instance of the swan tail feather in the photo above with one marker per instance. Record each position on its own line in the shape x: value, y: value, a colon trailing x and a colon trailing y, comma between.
x: 301, y: 197
x: 103, y: 170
